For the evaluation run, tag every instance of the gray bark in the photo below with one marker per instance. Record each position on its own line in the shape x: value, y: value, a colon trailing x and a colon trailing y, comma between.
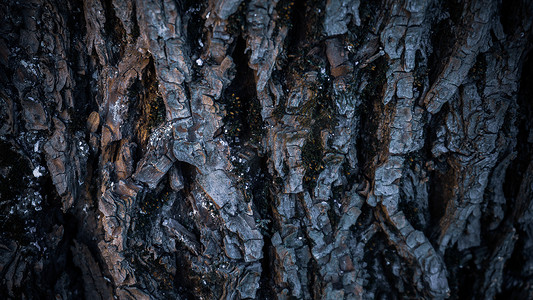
x: 256, y: 149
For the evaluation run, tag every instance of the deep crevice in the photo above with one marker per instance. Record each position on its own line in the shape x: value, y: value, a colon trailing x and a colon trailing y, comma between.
x: 377, y: 284
x: 115, y: 33
x: 243, y: 123
x: 147, y: 108
x: 194, y: 26
x: 518, y: 276
x: 443, y: 39
x: 440, y: 174
x: 372, y: 111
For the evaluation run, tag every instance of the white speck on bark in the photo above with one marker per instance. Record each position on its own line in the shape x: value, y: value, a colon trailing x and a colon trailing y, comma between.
x: 37, y: 173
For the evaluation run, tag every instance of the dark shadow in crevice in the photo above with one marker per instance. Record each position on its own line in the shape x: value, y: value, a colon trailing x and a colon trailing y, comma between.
x: 443, y: 40
x: 380, y: 281
x: 516, y: 276
x: 524, y: 145
x: 263, y: 201
x: 192, y: 12
x: 512, y: 13
x: 296, y: 36
x: 441, y: 178
x: 114, y: 32
x: 372, y: 112
x: 243, y: 122
x: 146, y: 110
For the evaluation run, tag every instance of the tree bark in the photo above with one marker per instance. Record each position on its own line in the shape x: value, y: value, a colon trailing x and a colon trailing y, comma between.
x: 230, y: 149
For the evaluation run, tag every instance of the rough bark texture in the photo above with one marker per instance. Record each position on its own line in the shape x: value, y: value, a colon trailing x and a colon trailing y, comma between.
x: 230, y: 149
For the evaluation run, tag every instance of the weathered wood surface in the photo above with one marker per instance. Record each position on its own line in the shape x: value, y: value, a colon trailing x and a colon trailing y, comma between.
x: 266, y: 149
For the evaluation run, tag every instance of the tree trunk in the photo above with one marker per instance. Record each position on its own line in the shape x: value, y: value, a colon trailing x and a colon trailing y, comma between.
x: 230, y: 149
